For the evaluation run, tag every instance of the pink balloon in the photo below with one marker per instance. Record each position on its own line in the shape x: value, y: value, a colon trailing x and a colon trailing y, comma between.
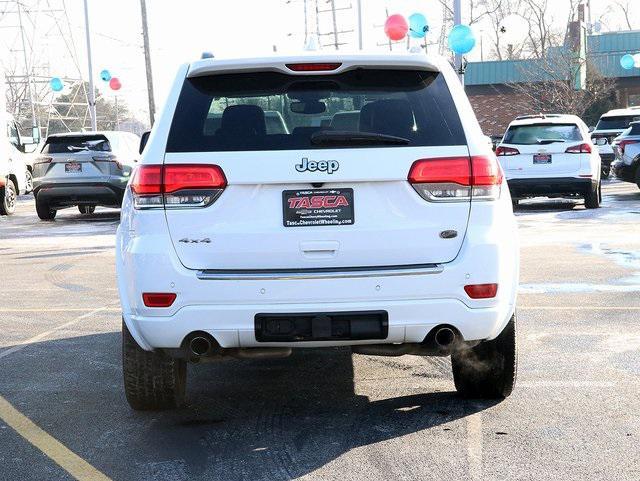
x: 396, y: 27
x: 115, y: 84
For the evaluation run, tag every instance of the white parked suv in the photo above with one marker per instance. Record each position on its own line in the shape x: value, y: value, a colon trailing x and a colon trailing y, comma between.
x: 610, y: 125
x: 395, y: 237
x: 551, y: 155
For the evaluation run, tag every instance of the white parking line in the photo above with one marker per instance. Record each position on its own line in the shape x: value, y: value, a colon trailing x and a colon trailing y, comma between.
x: 45, y: 334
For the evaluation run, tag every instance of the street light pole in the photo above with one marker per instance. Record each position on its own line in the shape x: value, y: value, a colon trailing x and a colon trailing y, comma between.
x: 457, y: 20
x: 91, y: 95
x: 359, y: 8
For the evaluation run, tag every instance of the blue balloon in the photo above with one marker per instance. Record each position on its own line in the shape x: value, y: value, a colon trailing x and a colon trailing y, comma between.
x: 105, y: 75
x: 627, y: 62
x: 418, y: 26
x: 56, y: 84
x: 461, y: 39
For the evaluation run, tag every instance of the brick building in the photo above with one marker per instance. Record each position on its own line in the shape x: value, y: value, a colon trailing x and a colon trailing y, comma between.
x: 495, y: 88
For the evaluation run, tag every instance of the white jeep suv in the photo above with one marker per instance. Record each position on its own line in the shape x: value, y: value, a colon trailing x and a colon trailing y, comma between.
x: 394, y: 237
x: 551, y: 155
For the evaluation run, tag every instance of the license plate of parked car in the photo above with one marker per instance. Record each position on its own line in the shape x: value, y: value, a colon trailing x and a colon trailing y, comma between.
x: 72, y: 167
x: 541, y: 159
x: 313, y: 207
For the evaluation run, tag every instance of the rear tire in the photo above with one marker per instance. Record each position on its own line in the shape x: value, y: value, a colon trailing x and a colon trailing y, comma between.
x: 28, y: 182
x: 488, y: 370
x: 87, y: 209
x: 593, y: 196
x: 44, y: 211
x: 606, y: 171
x: 152, y: 380
x: 8, y: 199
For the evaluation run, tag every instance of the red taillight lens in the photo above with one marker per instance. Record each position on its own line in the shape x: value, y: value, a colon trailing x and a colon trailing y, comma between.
x: 313, y: 67
x: 502, y: 151
x: 481, y: 291
x: 178, y: 185
x: 579, y: 149
x: 624, y: 143
x: 190, y: 177
x: 158, y: 299
x: 456, y: 178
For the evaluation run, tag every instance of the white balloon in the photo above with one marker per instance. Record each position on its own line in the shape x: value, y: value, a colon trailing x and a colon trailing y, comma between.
x: 513, y: 29
x: 636, y: 60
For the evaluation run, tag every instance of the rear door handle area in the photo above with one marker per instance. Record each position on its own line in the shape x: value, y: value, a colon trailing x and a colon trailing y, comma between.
x: 319, y: 249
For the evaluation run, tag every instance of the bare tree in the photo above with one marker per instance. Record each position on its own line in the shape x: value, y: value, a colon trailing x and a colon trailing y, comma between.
x: 625, y: 8
x: 541, y: 32
x: 549, y: 85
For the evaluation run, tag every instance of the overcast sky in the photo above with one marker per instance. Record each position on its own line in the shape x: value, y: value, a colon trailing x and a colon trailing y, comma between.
x: 182, y: 30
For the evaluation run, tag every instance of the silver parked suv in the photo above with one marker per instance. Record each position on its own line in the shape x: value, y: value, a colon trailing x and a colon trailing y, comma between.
x: 83, y: 169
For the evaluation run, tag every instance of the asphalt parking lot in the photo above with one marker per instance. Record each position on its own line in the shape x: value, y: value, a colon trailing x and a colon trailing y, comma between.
x: 325, y: 414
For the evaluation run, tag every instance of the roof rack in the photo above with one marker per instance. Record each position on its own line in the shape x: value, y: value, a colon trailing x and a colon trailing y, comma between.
x: 538, y: 116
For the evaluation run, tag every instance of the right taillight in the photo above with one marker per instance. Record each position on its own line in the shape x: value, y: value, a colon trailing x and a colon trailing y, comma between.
x: 502, y: 151
x: 579, y: 149
x: 456, y: 179
x: 177, y: 186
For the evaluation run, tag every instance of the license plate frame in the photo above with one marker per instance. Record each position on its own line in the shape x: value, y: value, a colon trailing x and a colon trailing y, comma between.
x: 318, y: 207
x: 541, y: 159
x: 72, y: 167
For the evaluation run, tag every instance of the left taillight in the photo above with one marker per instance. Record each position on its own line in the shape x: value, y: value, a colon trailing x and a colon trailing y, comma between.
x: 623, y: 144
x: 456, y: 179
x: 579, y: 149
x: 177, y: 186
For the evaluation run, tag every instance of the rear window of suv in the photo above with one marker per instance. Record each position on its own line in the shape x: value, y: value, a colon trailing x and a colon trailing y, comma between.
x: 542, y: 134
x: 616, y: 123
x: 275, y: 111
x: 69, y: 144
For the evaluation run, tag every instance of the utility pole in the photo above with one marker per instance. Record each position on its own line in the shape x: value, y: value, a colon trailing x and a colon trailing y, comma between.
x: 457, y: 20
x: 147, y: 62
x: 91, y: 97
x: 28, y: 72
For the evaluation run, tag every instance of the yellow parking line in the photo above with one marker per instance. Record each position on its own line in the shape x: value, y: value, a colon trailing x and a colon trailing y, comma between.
x: 50, y: 446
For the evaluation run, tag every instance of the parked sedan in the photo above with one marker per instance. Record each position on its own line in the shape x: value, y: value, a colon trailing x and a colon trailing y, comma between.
x: 84, y: 169
x: 626, y: 167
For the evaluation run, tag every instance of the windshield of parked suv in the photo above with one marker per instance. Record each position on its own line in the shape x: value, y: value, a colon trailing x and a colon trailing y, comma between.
x: 542, y: 134
x: 69, y: 145
x: 275, y: 111
x: 616, y: 123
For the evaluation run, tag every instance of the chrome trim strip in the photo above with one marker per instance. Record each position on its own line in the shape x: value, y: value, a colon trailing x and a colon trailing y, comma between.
x: 331, y: 273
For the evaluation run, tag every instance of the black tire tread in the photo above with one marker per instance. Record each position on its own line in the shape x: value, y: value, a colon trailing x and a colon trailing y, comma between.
x: 152, y: 380
x: 488, y: 370
x: 44, y: 211
x: 592, y: 197
x: 3, y: 207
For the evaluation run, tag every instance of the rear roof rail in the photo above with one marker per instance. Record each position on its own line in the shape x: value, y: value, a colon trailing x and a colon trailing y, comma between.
x: 538, y: 116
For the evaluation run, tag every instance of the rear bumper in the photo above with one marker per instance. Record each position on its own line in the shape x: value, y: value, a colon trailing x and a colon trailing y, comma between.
x: 226, y: 308
x: 625, y: 172
x: 549, y: 186
x: 66, y: 195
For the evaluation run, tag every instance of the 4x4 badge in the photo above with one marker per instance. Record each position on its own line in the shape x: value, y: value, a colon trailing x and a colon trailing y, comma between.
x: 328, y: 166
x: 206, y: 240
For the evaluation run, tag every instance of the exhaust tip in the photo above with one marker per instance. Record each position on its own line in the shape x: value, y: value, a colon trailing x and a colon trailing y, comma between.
x: 200, y: 345
x: 445, y: 337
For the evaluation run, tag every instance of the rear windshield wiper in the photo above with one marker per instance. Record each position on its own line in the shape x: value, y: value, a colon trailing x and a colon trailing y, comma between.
x: 348, y: 137
x: 549, y: 141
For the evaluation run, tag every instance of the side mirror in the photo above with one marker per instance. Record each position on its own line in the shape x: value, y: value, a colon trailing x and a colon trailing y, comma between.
x: 143, y: 141
x: 591, y: 129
